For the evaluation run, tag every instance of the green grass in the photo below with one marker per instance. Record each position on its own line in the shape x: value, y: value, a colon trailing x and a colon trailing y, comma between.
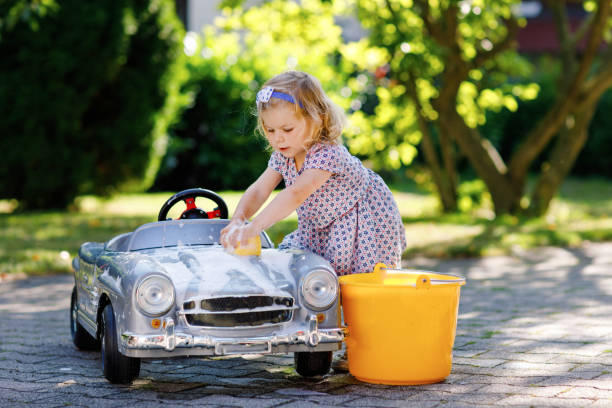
x: 45, y: 242
x: 581, y: 212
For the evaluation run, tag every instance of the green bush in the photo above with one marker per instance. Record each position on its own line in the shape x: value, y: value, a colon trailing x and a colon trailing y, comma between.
x: 595, y: 157
x: 214, y: 145
x: 86, y: 95
x: 508, y: 129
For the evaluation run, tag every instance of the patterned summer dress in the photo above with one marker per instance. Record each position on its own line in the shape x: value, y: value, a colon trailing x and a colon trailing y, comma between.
x: 352, y: 220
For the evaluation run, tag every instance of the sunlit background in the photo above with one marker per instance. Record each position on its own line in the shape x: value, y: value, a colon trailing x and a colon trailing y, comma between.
x: 488, y: 118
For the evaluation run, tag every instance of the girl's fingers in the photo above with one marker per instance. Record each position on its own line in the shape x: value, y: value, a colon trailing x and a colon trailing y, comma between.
x: 245, y: 233
x: 234, y: 234
x: 229, y: 239
x: 227, y: 232
x: 226, y: 237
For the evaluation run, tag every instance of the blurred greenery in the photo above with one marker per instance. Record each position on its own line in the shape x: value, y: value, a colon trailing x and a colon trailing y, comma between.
x: 422, y: 67
x: 506, y: 129
x: 105, y: 129
x: 228, y: 63
x: 44, y: 242
x: 582, y: 212
x: 398, y: 50
x: 75, y: 124
x: 87, y: 91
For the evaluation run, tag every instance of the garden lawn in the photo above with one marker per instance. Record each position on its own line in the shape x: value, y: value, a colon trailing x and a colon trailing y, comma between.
x: 45, y: 242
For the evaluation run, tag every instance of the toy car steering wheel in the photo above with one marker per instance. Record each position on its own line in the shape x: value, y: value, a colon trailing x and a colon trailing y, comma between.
x: 192, y: 212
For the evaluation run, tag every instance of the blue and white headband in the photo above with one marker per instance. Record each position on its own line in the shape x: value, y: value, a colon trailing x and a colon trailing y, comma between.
x: 268, y: 92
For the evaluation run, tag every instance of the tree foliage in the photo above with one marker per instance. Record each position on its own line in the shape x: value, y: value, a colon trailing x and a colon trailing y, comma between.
x: 214, y: 145
x: 429, y: 72
x: 87, y: 91
x: 448, y: 63
x: 586, y: 75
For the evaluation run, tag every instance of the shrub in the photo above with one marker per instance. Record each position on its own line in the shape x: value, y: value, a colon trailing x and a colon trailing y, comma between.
x: 86, y: 95
x: 594, y: 159
x: 214, y: 145
x: 507, y: 129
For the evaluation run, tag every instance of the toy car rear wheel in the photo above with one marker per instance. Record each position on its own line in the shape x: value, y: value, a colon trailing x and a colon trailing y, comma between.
x: 310, y: 364
x: 117, y: 368
x: 80, y: 337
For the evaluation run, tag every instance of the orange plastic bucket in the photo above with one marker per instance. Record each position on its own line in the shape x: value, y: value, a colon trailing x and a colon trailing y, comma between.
x: 401, y: 324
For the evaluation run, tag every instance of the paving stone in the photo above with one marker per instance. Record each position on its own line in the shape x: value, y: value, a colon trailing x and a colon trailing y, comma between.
x: 479, y: 362
x: 93, y: 402
x: 401, y: 392
x: 532, y: 330
x: 501, y: 379
x: 587, y: 392
x: 15, y: 375
x: 529, y: 401
x: 458, y: 353
x: 551, y: 368
x: 536, y: 358
x: 18, y: 385
x: 315, y: 397
x: 228, y: 400
x: 475, y: 398
x: 379, y: 402
x: 532, y: 390
x: 568, y: 378
x: 598, y: 368
x: 23, y: 395
x: 601, y: 383
x: 304, y: 404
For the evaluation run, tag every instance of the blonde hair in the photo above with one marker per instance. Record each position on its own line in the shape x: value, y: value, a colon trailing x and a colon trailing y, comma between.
x: 311, y: 103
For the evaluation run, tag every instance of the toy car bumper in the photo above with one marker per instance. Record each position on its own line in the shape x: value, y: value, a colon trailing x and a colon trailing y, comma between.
x: 174, y: 343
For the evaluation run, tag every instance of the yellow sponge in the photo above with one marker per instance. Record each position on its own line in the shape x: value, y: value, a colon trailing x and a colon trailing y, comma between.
x: 252, y: 247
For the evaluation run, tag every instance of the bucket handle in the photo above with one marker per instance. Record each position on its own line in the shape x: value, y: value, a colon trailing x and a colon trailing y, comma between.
x: 422, y: 281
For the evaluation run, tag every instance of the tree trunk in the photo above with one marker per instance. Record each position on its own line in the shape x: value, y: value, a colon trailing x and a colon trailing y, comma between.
x: 444, y: 177
x: 570, y: 142
x: 486, y: 161
x: 539, y: 137
x: 587, y: 93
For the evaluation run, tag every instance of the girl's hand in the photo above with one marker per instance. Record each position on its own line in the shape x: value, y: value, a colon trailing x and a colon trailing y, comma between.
x: 232, y: 235
x: 229, y: 229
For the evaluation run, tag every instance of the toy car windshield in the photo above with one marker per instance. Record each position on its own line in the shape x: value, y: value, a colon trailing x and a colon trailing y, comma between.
x: 173, y: 233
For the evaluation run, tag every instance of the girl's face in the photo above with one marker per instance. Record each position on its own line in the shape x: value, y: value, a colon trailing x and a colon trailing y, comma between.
x: 287, y: 132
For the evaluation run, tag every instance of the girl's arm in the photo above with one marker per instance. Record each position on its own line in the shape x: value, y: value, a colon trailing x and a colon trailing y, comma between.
x: 290, y: 198
x: 250, y: 202
x: 257, y: 194
x: 283, y: 204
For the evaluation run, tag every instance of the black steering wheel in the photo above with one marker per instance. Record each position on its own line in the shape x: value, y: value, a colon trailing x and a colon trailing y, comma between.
x: 192, y: 212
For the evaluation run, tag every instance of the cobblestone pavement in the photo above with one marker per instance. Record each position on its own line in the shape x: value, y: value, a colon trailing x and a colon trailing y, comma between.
x: 533, y: 330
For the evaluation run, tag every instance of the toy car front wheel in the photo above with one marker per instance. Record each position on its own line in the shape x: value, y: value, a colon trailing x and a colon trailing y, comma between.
x: 80, y: 337
x: 310, y: 364
x: 117, y: 368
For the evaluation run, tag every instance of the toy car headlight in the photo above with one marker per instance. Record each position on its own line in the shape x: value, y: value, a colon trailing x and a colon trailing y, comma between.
x: 155, y: 295
x: 319, y: 289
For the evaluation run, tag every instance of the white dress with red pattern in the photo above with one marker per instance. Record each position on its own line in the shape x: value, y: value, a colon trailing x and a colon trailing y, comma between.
x: 352, y: 220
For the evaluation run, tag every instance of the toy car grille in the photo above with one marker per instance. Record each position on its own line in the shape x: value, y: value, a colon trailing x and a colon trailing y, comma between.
x: 228, y: 304
x: 232, y: 311
x: 239, y: 319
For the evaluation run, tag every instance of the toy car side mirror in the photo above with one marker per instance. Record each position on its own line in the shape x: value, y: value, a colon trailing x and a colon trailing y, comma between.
x: 90, y: 251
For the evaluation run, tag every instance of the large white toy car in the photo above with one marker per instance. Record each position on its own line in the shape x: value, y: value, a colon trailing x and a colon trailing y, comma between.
x: 169, y: 289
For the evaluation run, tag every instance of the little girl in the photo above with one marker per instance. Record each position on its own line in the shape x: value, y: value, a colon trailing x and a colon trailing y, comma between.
x: 346, y: 213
